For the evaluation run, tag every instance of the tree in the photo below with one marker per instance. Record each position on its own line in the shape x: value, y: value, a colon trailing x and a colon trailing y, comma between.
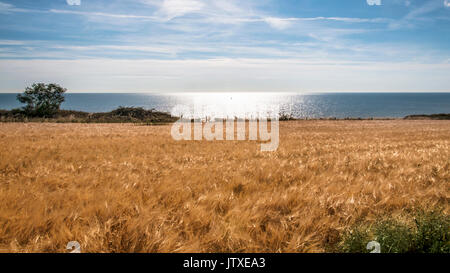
x: 42, y: 100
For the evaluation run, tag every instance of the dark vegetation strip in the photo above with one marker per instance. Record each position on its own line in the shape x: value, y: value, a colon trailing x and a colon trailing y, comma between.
x: 119, y: 115
x: 434, y: 116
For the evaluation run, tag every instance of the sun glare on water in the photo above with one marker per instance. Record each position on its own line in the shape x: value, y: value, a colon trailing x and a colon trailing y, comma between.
x: 226, y: 105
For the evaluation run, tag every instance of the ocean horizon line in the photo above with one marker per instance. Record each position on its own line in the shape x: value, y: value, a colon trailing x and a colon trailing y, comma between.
x: 252, y: 92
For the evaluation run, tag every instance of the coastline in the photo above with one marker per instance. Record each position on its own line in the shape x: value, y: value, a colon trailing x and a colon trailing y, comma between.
x: 141, y: 115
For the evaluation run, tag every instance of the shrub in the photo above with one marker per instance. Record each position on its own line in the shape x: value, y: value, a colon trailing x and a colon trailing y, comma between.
x: 428, y: 233
x: 355, y: 241
x: 394, y: 237
x: 433, y: 232
x: 120, y: 115
x: 42, y: 100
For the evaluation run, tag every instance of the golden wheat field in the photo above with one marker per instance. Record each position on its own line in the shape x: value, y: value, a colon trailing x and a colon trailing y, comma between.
x: 131, y: 188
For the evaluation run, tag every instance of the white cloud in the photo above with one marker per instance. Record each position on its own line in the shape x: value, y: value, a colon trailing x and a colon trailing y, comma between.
x: 447, y: 3
x: 11, y: 42
x: 8, y: 8
x: 417, y: 14
x: 278, y: 23
x: 175, y: 8
x: 342, y: 19
x: 103, y: 75
x: 227, y: 6
x: 284, y: 23
x: 373, y: 2
x: 74, y: 2
x: 103, y: 14
x: 5, y: 6
x: 207, y: 12
x: 326, y: 45
x: 426, y: 8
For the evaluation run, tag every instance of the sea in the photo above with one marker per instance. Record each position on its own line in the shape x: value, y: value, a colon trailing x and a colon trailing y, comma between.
x: 308, y: 105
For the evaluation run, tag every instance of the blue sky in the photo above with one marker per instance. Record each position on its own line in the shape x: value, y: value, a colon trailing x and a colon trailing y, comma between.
x: 219, y: 45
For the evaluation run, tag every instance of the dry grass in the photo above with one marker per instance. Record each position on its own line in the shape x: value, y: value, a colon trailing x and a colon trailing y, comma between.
x: 128, y: 188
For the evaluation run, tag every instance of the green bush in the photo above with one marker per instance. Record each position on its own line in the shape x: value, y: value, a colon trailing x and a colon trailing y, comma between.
x: 355, y: 241
x: 120, y: 115
x: 426, y: 232
x: 433, y: 231
x: 394, y: 237
x: 42, y: 100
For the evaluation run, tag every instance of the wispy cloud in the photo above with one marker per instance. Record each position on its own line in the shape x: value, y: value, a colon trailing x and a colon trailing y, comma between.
x: 427, y: 7
x: 11, y: 42
x: 418, y: 14
x: 73, y: 2
x: 103, y: 14
x: 9, y: 8
x: 170, y: 9
x: 208, y: 11
x: 250, y: 40
x: 278, y: 23
x: 225, y: 75
x: 373, y: 2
